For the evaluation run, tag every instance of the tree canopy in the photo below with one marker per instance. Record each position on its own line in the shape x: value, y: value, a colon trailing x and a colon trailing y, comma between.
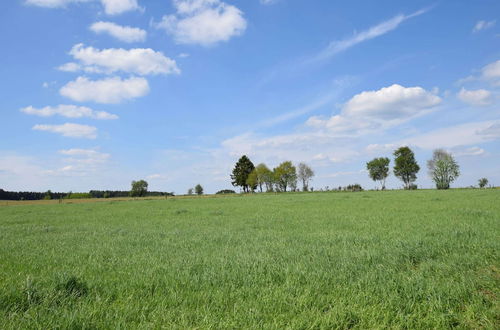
x: 285, y: 175
x: 483, y: 182
x: 305, y: 174
x: 378, y: 170
x: 443, y: 169
x: 198, y: 189
x: 139, y: 188
x: 406, y: 167
x: 241, y: 171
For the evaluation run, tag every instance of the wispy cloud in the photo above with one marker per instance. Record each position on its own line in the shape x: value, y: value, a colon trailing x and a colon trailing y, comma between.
x: 378, y: 30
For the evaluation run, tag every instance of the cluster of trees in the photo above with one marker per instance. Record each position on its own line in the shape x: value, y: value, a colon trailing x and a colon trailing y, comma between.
x: 282, y: 178
x: 198, y: 190
x: 443, y: 169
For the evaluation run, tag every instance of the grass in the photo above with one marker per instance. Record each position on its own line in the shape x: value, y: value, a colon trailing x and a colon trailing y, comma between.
x: 397, y: 259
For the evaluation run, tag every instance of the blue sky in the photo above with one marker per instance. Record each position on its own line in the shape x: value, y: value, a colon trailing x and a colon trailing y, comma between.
x: 97, y: 93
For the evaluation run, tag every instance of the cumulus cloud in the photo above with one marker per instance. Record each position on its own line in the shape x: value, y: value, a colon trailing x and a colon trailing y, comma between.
x: 203, y: 22
x: 109, y: 90
x: 491, y: 71
x: 68, y: 111
x: 479, y: 97
x: 70, y: 130
x: 141, y: 61
x: 378, y: 30
x: 483, y: 25
x: 123, y: 33
x: 382, y: 108
x: 111, y: 7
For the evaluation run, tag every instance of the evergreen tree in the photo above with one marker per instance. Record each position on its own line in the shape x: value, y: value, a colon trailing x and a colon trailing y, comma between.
x: 241, y: 171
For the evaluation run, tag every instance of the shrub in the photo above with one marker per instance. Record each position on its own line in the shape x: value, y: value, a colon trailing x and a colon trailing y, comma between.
x: 225, y: 191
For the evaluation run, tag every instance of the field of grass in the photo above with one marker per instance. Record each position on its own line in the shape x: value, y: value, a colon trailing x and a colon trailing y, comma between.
x: 398, y: 259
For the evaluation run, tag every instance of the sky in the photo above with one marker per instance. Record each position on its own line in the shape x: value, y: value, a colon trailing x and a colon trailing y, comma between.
x: 97, y: 93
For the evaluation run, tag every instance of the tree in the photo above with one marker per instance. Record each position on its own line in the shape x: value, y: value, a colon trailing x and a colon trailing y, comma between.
x: 268, y: 179
x: 406, y: 167
x: 378, y: 170
x: 305, y: 174
x: 285, y: 175
x: 190, y: 191
x: 483, y: 182
x: 139, y: 188
x: 198, y: 189
x: 252, y: 180
x: 263, y: 173
x: 241, y: 171
x: 443, y: 169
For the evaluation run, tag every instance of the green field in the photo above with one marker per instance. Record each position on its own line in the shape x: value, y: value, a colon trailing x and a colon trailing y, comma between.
x: 398, y: 259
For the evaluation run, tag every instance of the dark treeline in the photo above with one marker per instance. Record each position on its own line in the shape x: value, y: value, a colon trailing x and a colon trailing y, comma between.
x: 28, y: 195
x: 31, y: 195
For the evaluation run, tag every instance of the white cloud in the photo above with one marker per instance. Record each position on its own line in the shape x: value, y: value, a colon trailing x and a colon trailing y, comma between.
x: 268, y: 2
x: 491, y: 132
x: 204, y: 22
x: 70, y: 130
x: 373, y: 32
x: 479, y: 97
x: 115, y: 7
x: 142, y: 61
x: 109, y: 90
x: 491, y: 71
x: 123, y: 33
x: 465, y: 152
x: 385, y: 107
x: 456, y: 136
x: 88, y: 157
x: 156, y: 177
x: 381, y: 148
x: 483, y: 25
x: 111, y: 7
x: 69, y: 111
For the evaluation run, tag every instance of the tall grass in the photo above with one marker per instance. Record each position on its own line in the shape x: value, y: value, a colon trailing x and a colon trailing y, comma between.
x: 399, y: 259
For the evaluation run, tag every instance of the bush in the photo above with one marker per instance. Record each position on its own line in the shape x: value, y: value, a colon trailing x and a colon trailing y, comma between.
x: 353, y: 187
x: 225, y: 191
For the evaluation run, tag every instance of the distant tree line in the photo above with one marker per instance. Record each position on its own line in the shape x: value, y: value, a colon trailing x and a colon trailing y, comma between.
x: 31, y: 195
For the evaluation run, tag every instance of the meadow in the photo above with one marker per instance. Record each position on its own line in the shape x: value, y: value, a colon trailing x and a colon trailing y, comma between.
x: 398, y: 259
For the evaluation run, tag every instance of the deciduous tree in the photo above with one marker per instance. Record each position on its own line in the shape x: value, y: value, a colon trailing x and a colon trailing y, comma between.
x: 305, y: 174
x: 198, y: 189
x: 139, y: 188
x: 378, y: 170
x: 483, y: 182
x: 443, y: 169
x: 406, y: 167
x: 285, y: 175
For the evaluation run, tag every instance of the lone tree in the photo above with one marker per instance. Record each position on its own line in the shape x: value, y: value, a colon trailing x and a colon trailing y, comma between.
x: 406, y: 167
x: 305, y: 174
x: 483, y: 182
x: 198, y: 189
x: 285, y: 175
x: 139, y: 188
x: 241, y: 171
x: 443, y: 169
x: 262, y: 173
x: 378, y: 170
